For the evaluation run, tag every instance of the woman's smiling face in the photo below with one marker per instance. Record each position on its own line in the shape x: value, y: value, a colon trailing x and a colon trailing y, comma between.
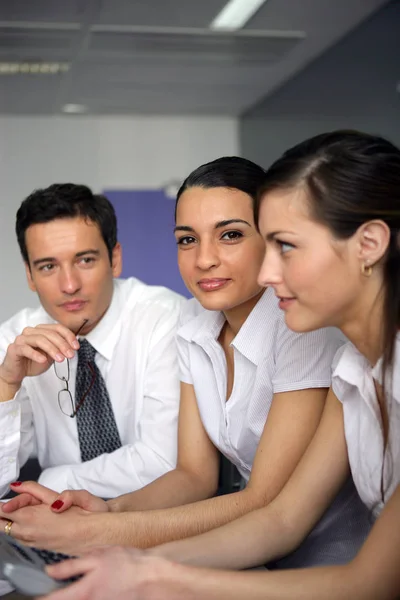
x: 219, y: 248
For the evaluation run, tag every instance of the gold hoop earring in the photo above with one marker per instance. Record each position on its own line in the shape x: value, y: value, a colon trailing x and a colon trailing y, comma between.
x: 366, y: 270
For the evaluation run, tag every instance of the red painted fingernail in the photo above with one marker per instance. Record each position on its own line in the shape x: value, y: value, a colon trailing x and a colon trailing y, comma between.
x: 57, y: 504
x: 16, y: 483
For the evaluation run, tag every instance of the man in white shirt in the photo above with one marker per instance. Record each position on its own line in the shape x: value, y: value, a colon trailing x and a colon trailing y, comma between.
x: 68, y: 240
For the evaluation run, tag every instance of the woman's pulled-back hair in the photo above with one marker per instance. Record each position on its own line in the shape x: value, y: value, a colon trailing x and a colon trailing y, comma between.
x: 229, y: 171
x: 350, y: 178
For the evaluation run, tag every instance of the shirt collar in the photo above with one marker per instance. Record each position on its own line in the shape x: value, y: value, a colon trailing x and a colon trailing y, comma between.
x: 105, y: 335
x: 250, y: 340
x: 353, y: 367
x: 206, y: 325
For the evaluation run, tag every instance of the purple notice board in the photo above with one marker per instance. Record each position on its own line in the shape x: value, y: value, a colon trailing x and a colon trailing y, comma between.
x: 146, y: 233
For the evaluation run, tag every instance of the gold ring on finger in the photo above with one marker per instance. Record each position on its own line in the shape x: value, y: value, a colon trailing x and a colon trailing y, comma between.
x: 7, y: 527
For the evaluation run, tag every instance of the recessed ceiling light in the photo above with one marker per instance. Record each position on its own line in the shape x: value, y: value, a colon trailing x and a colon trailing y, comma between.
x: 235, y: 14
x: 33, y: 68
x: 74, y: 109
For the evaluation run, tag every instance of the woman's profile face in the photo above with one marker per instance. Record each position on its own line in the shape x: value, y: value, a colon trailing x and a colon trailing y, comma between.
x: 316, y: 277
x: 219, y: 249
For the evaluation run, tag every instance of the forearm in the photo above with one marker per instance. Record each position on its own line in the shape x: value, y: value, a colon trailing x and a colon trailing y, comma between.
x: 250, y: 541
x: 145, y: 529
x: 324, y: 583
x: 175, y: 488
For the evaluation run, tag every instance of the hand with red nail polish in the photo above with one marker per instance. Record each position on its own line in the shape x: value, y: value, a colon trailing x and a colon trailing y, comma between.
x: 57, y: 504
x: 30, y: 493
x: 51, y: 520
x: 81, y: 499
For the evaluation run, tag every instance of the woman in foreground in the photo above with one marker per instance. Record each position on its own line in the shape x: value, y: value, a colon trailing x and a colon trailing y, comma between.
x: 330, y: 217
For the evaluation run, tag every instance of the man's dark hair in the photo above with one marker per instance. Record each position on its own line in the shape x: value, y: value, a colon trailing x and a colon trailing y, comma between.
x: 66, y: 201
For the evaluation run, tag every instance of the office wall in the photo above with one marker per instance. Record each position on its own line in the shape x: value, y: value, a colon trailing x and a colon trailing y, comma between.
x: 146, y: 221
x: 263, y: 140
x: 105, y: 153
x: 353, y: 85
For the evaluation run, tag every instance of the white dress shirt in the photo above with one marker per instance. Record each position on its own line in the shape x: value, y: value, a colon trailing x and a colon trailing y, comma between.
x: 353, y: 383
x: 268, y: 359
x: 136, y: 355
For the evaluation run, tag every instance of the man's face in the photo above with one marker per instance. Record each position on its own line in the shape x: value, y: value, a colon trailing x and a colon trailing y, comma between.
x: 69, y: 268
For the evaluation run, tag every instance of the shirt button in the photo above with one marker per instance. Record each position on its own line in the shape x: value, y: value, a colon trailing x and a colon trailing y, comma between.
x: 14, y: 413
x: 11, y: 460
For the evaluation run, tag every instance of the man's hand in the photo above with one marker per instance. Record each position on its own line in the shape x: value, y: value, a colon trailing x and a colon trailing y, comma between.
x: 123, y: 573
x: 32, y: 494
x: 32, y: 353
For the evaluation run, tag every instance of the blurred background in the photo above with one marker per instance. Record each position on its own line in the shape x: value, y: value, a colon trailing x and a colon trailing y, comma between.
x: 129, y: 96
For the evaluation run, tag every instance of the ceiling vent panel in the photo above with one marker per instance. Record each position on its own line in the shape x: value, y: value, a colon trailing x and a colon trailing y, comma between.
x: 208, y: 47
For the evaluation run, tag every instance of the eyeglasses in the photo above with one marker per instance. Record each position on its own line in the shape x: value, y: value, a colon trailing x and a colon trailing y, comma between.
x: 65, y: 400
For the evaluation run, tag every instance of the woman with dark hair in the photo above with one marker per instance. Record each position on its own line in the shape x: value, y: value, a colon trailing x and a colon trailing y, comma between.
x: 330, y: 218
x: 250, y: 389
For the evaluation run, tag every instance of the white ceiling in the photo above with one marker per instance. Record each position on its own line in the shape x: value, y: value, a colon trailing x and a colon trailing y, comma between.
x: 159, y: 56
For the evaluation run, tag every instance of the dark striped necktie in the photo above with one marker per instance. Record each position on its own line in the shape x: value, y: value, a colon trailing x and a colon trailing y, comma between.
x: 97, y: 429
